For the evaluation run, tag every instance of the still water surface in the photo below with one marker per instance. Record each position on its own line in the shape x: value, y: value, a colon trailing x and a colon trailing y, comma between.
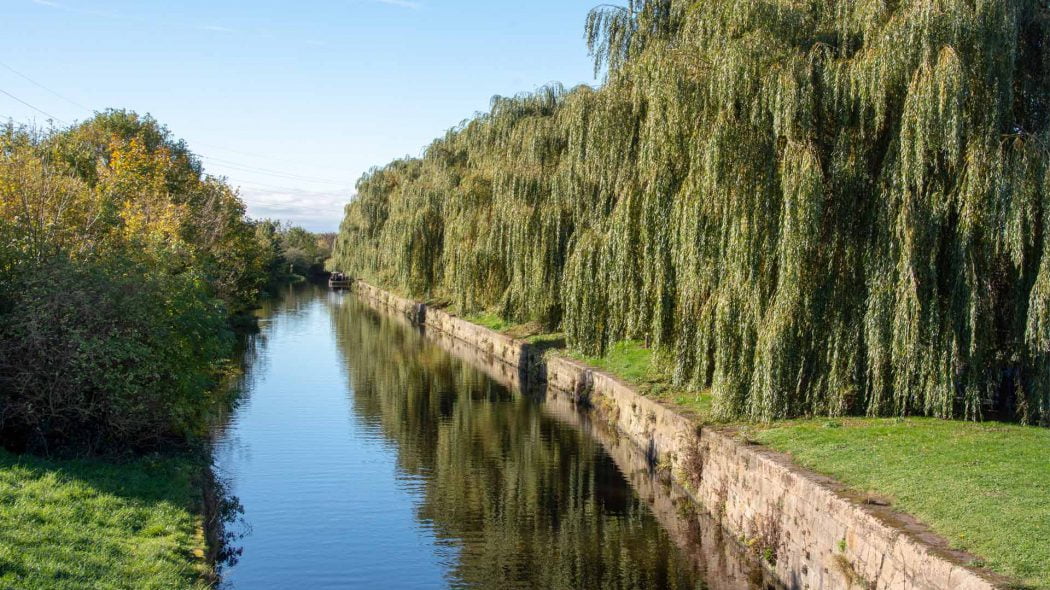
x: 365, y: 456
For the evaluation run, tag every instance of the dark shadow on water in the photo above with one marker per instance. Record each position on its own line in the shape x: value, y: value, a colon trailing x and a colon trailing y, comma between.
x: 224, y: 523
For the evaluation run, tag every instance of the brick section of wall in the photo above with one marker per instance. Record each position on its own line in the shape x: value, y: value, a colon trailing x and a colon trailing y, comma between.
x: 812, y: 533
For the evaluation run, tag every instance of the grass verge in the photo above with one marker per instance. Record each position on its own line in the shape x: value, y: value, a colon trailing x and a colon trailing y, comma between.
x: 635, y: 364
x: 490, y: 320
x: 630, y: 360
x: 98, y: 524
x: 983, y: 486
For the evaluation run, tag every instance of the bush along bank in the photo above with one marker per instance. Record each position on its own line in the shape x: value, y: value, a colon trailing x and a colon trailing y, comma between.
x: 122, y: 265
x: 296, y: 254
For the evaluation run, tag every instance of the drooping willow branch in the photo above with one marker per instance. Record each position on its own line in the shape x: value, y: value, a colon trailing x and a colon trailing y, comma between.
x: 812, y: 208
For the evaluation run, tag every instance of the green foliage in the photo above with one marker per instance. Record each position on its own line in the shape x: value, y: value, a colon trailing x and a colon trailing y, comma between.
x: 490, y: 320
x: 984, y: 487
x: 99, y: 524
x: 813, y: 208
x: 268, y: 236
x: 295, y: 253
x: 120, y: 263
x: 119, y: 183
x: 103, y: 355
x: 304, y: 251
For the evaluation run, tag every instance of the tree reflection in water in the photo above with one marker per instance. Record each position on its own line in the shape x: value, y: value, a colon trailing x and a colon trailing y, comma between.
x: 527, y: 500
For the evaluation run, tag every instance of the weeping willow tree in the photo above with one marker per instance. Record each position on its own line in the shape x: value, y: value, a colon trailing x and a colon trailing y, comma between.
x: 810, y: 207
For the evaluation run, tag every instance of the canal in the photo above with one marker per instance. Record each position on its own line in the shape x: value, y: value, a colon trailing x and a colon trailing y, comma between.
x: 366, y: 456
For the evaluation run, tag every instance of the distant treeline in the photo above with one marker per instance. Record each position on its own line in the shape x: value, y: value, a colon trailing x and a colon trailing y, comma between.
x: 812, y: 208
x: 297, y: 254
x: 121, y: 265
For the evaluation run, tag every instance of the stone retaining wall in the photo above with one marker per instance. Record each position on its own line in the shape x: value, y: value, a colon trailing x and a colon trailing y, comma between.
x: 811, y: 532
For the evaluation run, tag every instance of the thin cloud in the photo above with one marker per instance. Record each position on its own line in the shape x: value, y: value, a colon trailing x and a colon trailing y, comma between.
x: 315, y: 210
x: 401, y: 3
x: 87, y: 12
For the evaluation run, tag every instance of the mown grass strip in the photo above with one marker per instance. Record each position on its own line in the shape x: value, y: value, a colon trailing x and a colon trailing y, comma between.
x: 983, y: 486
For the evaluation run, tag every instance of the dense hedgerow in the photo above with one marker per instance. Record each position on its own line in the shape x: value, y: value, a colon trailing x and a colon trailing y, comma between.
x: 121, y: 263
x: 809, y: 207
x: 104, y: 353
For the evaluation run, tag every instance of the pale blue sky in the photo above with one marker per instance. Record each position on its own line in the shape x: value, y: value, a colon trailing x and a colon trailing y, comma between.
x: 292, y: 101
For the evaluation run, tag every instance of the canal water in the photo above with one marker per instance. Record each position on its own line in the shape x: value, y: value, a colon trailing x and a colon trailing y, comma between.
x: 364, y: 455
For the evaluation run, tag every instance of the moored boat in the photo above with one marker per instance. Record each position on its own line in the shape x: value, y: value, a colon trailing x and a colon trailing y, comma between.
x: 339, y: 280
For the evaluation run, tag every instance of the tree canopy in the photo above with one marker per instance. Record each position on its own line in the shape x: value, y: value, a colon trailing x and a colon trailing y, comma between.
x: 120, y: 265
x: 812, y: 208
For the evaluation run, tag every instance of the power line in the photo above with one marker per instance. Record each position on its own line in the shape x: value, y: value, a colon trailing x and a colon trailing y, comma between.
x: 289, y: 189
x: 39, y: 85
x: 39, y: 110
x: 235, y: 165
x: 249, y: 154
x: 270, y: 172
x: 228, y: 163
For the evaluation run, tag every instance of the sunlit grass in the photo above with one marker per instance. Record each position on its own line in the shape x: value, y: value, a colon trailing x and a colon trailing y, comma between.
x: 99, y: 524
x: 632, y: 362
x: 629, y: 360
x: 490, y: 320
x: 983, y: 486
x: 532, y: 333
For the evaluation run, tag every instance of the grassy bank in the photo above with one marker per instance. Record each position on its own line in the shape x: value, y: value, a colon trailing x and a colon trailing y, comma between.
x: 985, y: 487
x: 97, y: 524
x: 491, y: 321
x: 632, y: 362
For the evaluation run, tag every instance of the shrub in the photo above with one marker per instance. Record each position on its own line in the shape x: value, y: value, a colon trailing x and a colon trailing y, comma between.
x: 104, y: 354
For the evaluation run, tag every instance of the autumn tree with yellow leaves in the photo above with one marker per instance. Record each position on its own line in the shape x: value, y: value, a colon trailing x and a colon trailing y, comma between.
x: 120, y: 266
